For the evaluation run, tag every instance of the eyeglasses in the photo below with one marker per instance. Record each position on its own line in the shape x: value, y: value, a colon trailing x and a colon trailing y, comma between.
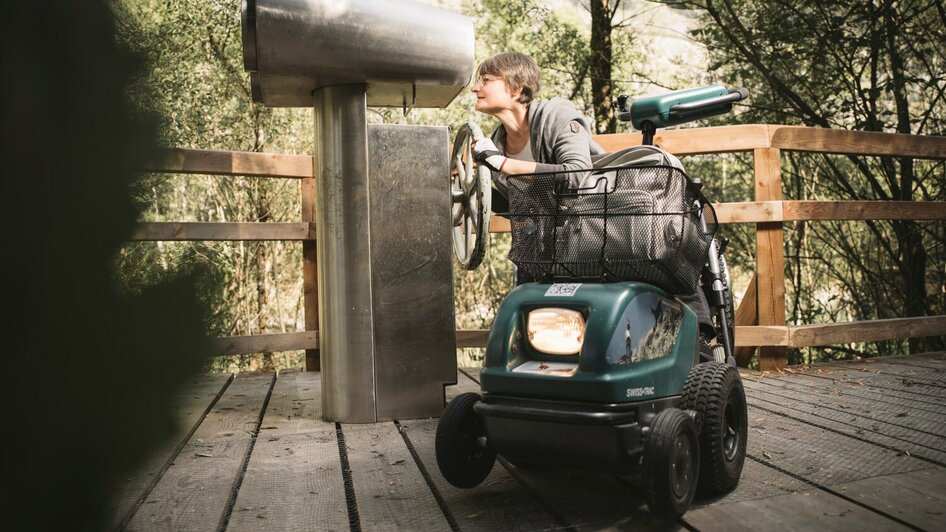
x: 483, y: 80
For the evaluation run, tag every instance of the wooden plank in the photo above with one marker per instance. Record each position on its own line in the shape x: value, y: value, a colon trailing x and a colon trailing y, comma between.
x: 499, y: 224
x: 790, y: 211
x: 815, y: 453
x: 389, y: 489
x: 863, y: 210
x: 820, y: 140
x: 216, y: 162
x: 808, y: 510
x: 935, y: 361
x: 770, y: 259
x: 866, y: 331
x: 891, y: 365
x: 223, y: 231
x: 259, y: 343
x: 893, y: 384
x: 189, y: 409
x: 814, y: 388
x: 748, y: 211
x: 310, y: 274
x: 747, y: 314
x: 693, y: 141
x: 472, y: 338
x: 294, y: 478
x: 295, y: 406
x: 499, y: 503
x: 857, y: 421
x: 761, y: 335
x: 745, y: 336
x: 194, y: 492
x: 758, y: 481
x: 917, y: 497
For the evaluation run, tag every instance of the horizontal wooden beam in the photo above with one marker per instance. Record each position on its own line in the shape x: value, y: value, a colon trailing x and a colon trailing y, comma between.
x: 472, y: 338
x: 729, y: 139
x: 242, y: 163
x: 748, y: 212
x: 866, y: 331
x: 695, y: 141
x: 761, y: 335
x: 840, y: 141
x: 264, y: 343
x: 800, y: 335
x: 863, y: 210
x: 793, y: 211
x: 232, y: 231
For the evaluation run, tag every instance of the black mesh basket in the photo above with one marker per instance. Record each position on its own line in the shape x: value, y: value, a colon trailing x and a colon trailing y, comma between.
x: 611, y: 224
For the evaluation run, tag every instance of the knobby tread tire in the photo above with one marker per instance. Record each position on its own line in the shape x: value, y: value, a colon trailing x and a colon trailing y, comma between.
x: 707, y: 390
x: 460, y: 459
x: 667, y: 426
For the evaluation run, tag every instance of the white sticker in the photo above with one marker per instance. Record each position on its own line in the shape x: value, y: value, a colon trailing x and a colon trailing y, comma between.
x: 562, y: 290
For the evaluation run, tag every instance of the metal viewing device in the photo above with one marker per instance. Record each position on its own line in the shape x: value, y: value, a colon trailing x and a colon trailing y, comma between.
x: 383, y: 217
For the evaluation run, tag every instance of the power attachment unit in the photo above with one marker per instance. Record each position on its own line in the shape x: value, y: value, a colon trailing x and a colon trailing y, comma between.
x: 596, y: 363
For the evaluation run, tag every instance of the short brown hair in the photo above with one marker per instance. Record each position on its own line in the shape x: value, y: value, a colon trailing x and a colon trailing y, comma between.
x: 518, y: 71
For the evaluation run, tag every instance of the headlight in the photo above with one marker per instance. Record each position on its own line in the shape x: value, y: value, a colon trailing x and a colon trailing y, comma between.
x: 556, y: 331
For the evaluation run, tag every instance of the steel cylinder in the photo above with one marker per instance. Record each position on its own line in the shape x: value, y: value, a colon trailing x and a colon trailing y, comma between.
x: 405, y: 53
x: 344, y: 254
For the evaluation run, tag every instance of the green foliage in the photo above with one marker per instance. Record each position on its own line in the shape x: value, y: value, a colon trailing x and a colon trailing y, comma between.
x: 96, y: 368
x: 850, y: 65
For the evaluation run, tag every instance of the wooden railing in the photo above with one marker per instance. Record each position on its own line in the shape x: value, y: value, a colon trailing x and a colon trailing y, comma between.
x: 262, y: 165
x: 760, y: 319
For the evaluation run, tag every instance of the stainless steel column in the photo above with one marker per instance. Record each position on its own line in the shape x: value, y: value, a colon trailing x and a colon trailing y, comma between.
x: 344, y: 254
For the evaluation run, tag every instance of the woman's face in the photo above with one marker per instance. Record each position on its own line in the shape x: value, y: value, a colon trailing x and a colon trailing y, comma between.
x: 493, y: 95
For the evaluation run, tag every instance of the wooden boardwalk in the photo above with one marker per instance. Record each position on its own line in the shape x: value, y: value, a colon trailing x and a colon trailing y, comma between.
x: 857, y: 445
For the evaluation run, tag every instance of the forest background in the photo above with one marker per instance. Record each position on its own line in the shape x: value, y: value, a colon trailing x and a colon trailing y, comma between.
x: 858, y: 65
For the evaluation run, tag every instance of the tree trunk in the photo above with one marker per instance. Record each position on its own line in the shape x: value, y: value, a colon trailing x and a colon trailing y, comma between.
x: 912, y: 252
x: 601, y: 90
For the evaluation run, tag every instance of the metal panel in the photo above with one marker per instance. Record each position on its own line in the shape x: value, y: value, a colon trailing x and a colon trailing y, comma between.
x: 344, y: 254
x: 412, y: 272
x: 406, y: 53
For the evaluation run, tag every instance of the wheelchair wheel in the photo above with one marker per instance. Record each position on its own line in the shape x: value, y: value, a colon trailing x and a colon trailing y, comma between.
x: 728, y: 308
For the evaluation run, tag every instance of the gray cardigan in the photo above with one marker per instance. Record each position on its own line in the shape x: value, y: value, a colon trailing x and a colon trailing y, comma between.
x: 560, y: 137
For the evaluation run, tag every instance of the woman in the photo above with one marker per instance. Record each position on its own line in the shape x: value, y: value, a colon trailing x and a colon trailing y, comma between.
x: 540, y: 136
x: 533, y: 136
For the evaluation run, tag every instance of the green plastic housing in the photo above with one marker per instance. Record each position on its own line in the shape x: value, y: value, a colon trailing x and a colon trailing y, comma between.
x: 656, y: 109
x: 606, y: 308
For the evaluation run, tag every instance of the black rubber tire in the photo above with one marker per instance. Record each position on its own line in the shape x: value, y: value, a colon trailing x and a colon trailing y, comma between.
x: 462, y: 461
x: 671, y: 464
x: 714, y: 390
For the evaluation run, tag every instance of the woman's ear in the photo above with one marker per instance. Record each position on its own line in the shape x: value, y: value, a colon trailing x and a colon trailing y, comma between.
x: 514, y: 93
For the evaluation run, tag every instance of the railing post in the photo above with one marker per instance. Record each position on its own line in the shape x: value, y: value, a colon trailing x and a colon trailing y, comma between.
x: 310, y: 272
x: 770, y: 255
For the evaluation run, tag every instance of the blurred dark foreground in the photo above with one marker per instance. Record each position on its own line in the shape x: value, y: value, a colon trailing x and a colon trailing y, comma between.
x: 90, y: 370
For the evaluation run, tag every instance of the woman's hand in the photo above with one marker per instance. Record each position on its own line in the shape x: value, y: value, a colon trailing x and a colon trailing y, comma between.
x: 485, y: 152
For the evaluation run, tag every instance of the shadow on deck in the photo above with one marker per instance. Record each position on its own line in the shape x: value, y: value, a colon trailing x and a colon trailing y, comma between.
x: 855, y: 445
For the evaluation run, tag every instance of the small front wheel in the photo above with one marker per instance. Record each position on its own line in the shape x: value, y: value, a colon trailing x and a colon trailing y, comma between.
x: 461, y: 457
x: 671, y: 464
